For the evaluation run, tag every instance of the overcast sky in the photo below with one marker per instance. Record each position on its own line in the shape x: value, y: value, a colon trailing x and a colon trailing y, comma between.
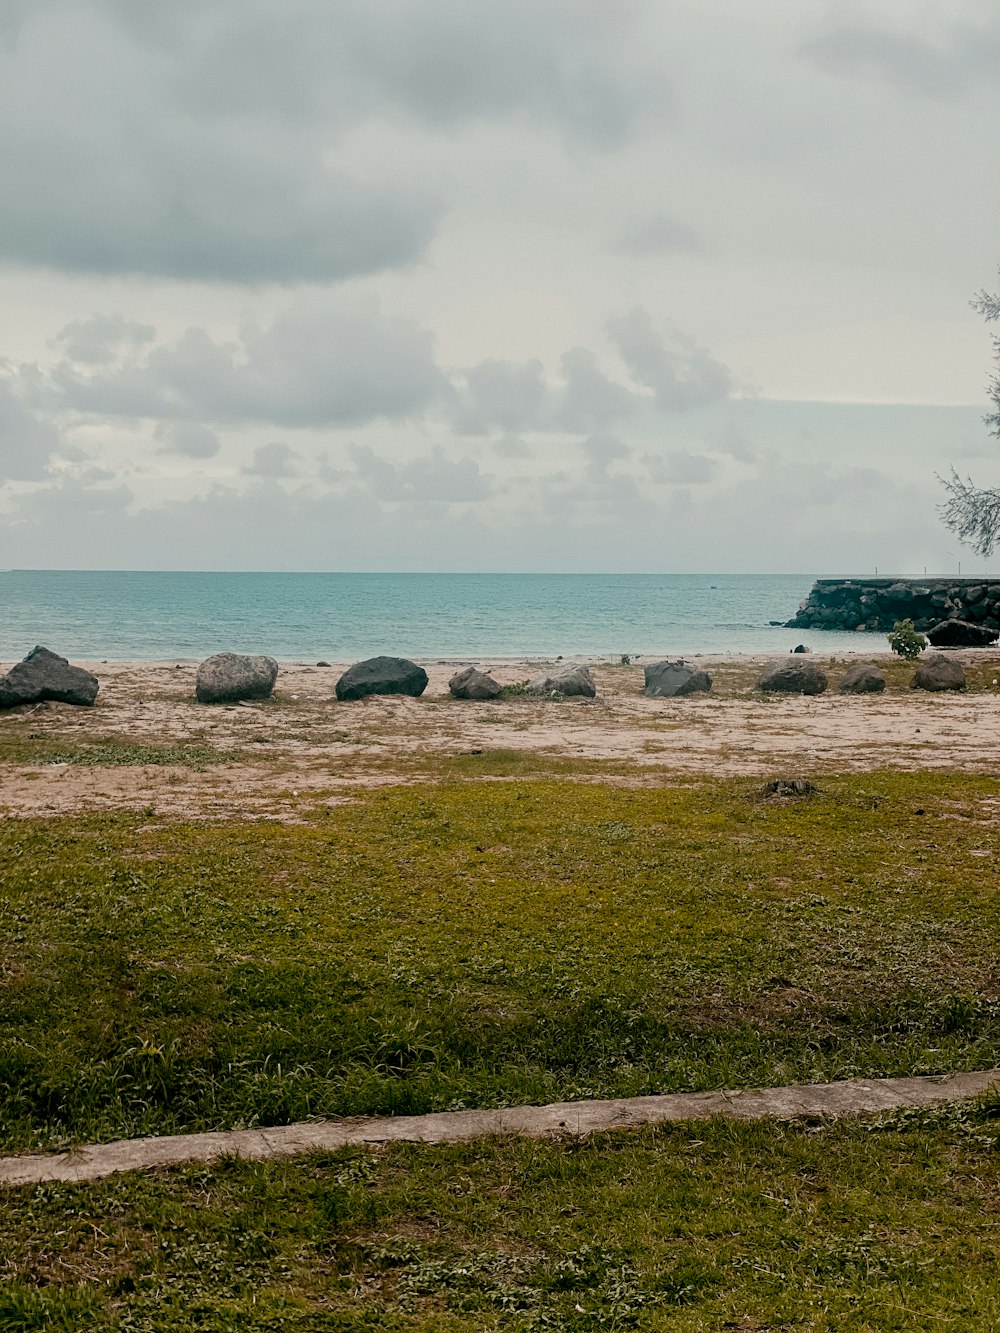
x: 675, y: 285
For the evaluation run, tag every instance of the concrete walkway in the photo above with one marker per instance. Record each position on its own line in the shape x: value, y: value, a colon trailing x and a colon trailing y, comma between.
x: 852, y: 1097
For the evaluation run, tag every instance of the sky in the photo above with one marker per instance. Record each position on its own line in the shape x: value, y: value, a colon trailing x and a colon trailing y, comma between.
x: 556, y: 285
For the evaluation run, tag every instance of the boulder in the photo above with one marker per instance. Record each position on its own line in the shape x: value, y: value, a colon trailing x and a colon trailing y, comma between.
x: 382, y: 675
x: 228, y: 678
x: 567, y: 680
x: 801, y: 648
x: 45, y: 675
x: 939, y: 673
x: 473, y: 684
x: 863, y: 679
x: 961, y: 634
x: 667, y: 680
x: 793, y: 678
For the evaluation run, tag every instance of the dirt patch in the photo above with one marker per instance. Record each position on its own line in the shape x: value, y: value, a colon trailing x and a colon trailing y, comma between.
x: 303, y: 747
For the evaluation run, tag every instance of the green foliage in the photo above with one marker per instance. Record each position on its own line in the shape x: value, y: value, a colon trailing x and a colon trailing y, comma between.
x: 517, y: 689
x: 906, y: 641
x: 486, y: 943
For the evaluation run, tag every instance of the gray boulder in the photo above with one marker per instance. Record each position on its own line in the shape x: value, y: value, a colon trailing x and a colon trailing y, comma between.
x: 567, y: 681
x: 44, y: 675
x: 798, y: 677
x: 382, y: 675
x: 471, y: 683
x: 939, y: 673
x: 863, y: 679
x: 227, y: 678
x: 961, y: 634
x: 667, y: 680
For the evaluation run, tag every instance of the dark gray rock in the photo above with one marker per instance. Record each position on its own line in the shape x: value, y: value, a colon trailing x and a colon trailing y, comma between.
x: 382, y: 675
x: 939, y: 673
x: 961, y: 634
x: 793, y: 678
x: 228, y: 678
x: 863, y: 679
x: 783, y: 789
x: 471, y: 683
x: 322, y: 663
x: 44, y: 675
x: 567, y: 680
x: 668, y: 680
x: 801, y: 648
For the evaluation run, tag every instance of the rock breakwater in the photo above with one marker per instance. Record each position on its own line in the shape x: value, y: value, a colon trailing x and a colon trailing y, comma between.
x: 876, y: 604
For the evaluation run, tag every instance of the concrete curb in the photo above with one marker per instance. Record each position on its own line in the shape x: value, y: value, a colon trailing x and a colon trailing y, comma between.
x: 828, y: 1100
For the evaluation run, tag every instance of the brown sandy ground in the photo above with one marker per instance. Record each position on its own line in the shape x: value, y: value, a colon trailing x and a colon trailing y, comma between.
x: 302, y: 747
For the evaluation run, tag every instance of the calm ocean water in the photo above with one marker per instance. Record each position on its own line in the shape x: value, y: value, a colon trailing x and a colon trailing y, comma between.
x: 151, y: 616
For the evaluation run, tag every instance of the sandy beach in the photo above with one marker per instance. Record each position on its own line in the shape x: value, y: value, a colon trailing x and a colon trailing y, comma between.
x: 281, y: 758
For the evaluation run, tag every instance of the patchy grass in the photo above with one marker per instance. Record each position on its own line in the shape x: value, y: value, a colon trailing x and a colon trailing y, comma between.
x: 489, y: 943
x: 38, y: 749
x: 866, y: 1226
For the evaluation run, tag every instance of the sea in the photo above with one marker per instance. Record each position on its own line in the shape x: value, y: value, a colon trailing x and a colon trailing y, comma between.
x: 156, y: 616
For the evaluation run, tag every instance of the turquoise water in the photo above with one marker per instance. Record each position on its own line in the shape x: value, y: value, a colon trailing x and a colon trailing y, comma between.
x: 151, y: 616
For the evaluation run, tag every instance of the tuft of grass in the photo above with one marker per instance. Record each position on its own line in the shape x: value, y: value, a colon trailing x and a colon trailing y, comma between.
x: 484, y: 943
x: 887, y: 1224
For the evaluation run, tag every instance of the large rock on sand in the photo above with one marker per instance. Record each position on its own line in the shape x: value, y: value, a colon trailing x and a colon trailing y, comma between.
x: 382, y: 675
x: 961, y: 634
x: 473, y: 684
x: 863, y: 679
x: 667, y: 680
x: 566, y: 681
x: 939, y: 673
x: 793, y: 678
x: 227, y: 678
x: 45, y: 675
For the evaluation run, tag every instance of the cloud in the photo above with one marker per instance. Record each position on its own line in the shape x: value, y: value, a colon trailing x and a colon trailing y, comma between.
x: 314, y: 365
x: 186, y: 438
x: 107, y: 167
x: 26, y: 442
x: 432, y: 478
x: 681, y: 374
x: 501, y: 393
x: 907, y: 61
x: 589, y: 401
x: 275, y: 459
x: 99, y: 340
x: 657, y: 235
x: 681, y: 468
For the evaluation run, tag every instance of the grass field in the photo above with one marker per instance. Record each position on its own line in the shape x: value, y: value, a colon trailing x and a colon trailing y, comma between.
x: 858, y: 1227
x: 486, y: 943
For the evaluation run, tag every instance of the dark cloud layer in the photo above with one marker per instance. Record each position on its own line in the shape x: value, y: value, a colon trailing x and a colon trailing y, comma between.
x: 907, y: 61
x: 200, y: 141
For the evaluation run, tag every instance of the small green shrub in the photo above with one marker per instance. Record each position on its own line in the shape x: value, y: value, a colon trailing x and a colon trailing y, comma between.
x: 517, y: 690
x: 906, y: 641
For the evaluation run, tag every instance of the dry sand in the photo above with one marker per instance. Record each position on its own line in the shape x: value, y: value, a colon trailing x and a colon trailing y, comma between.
x: 302, y: 747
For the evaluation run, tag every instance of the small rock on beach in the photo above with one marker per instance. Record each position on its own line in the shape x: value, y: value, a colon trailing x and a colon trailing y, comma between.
x: 939, y: 673
x: 471, y: 683
x: 668, y: 680
x: 567, y: 681
x: 799, y: 677
x: 382, y: 675
x: 44, y: 675
x: 227, y: 678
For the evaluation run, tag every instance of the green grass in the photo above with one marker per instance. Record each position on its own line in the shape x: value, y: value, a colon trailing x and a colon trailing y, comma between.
x: 856, y: 1226
x: 486, y: 943
x: 108, y: 752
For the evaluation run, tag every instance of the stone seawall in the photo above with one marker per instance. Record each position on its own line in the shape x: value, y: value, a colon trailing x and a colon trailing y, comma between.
x: 876, y: 604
